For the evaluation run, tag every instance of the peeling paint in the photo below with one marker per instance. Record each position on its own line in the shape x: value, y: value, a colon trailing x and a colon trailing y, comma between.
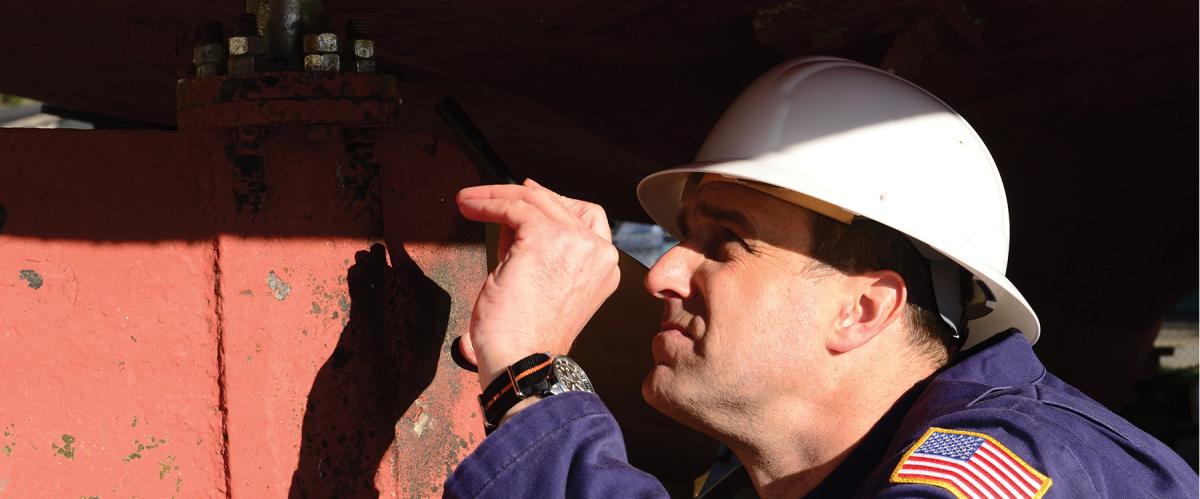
x: 34, y: 278
x: 421, y: 424
x: 137, y: 454
x: 166, y: 467
x: 66, y: 450
x: 278, y: 287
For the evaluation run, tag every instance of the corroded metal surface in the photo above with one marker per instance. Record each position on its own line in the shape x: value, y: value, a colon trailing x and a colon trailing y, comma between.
x: 288, y: 97
x: 322, y: 356
x: 110, y: 351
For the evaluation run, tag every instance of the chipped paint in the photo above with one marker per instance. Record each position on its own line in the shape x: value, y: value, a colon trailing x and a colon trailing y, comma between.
x: 34, y: 278
x: 66, y: 450
x: 137, y: 454
x: 278, y: 287
x: 422, y: 422
x: 166, y: 467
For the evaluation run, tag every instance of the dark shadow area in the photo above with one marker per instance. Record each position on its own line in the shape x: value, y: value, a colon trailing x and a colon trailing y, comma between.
x: 387, y: 355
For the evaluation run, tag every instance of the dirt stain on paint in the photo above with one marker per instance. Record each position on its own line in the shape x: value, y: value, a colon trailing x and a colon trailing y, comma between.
x: 277, y: 286
x: 31, y: 276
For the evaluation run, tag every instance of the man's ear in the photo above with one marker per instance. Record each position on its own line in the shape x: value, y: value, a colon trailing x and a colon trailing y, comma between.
x: 873, y: 301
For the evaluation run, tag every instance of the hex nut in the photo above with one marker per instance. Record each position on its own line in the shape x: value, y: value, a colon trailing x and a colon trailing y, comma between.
x: 320, y: 43
x: 208, y: 69
x: 247, y: 64
x: 247, y: 45
x: 364, y: 66
x: 322, y: 62
x: 363, y: 49
x: 208, y: 53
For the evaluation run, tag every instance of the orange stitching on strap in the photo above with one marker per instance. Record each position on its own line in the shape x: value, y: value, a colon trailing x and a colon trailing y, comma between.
x: 509, y: 386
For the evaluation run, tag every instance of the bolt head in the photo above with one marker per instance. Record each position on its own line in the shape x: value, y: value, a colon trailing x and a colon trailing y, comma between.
x: 320, y: 43
x: 208, y: 53
x: 364, y: 49
x: 247, y: 45
x: 322, y: 62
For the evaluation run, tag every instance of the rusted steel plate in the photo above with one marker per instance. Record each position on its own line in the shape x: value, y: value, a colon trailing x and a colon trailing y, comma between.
x: 424, y: 230
x: 286, y: 85
x: 293, y: 97
x: 108, y: 364
x: 229, y: 114
x: 338, y: 372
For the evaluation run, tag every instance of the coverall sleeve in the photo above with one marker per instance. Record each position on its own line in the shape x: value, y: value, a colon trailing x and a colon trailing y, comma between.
x: 567, y: 445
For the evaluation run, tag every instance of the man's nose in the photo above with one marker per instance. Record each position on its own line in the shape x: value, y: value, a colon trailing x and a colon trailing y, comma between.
x: 671, y: 275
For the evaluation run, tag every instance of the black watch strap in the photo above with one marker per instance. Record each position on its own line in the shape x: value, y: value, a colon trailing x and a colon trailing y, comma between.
x: 532, y: 375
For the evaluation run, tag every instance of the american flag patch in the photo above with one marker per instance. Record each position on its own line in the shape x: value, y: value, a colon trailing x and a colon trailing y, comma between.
x: 969, y: 465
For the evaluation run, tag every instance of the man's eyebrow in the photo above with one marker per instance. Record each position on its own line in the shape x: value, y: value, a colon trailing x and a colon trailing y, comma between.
x: 735, y: 218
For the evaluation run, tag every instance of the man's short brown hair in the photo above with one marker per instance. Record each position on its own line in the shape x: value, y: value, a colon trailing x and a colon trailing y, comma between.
x: 866, y: 245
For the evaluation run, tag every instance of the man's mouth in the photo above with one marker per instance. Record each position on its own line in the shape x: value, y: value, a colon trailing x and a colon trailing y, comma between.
x: 674, y: 326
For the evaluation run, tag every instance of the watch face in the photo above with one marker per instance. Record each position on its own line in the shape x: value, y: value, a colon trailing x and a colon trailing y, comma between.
x: 570, y: 377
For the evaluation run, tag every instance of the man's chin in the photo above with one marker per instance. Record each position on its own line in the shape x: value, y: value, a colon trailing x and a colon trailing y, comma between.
x: 657, y: 390
x: 661, y: 390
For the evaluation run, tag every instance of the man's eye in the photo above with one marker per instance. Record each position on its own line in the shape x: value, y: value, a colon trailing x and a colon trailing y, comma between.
x: 724, y: 244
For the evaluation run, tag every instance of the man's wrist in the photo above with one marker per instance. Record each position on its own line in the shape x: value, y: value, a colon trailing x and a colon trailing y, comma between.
x: 495, y: 365
x: 522, y: 405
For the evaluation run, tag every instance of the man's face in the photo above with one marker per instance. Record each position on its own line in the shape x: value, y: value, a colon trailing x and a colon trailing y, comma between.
x: 745, y: 316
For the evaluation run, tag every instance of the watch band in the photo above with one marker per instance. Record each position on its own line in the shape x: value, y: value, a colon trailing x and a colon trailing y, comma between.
x: 532, y: 375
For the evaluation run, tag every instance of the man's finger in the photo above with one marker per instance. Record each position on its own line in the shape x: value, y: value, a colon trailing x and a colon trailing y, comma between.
x: 590, y: 214
x: 509, y: 212
x: 541, y: 199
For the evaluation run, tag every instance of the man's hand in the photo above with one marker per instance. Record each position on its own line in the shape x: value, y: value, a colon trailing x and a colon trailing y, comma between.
x: 557, y: 265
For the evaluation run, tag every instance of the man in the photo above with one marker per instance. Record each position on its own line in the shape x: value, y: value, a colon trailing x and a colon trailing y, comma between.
x: 836, y: 314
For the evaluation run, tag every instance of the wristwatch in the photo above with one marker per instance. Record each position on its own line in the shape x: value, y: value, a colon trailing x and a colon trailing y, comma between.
x: 540, y: 374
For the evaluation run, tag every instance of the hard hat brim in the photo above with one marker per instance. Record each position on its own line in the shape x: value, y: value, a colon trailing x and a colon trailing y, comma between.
x: 661, y: 195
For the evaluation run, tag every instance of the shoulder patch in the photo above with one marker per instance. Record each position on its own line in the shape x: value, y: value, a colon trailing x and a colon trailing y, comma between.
x: 969, y: 465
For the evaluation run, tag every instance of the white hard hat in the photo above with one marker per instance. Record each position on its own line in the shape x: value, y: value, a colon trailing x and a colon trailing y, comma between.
x: 870, y: 143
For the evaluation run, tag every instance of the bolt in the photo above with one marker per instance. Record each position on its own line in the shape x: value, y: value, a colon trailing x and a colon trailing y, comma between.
x: 321, y: 52
x: 322, y: 62
x: 247, y: 50
x: 320, y: 43
x: 360, y: 50
x: 363, y: 66
x: 363, y: 49
x: 209, y: 53
x: 356, y: 29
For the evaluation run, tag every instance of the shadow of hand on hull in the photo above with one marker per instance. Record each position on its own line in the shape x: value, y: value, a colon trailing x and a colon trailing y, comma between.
x: 386, y: 357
